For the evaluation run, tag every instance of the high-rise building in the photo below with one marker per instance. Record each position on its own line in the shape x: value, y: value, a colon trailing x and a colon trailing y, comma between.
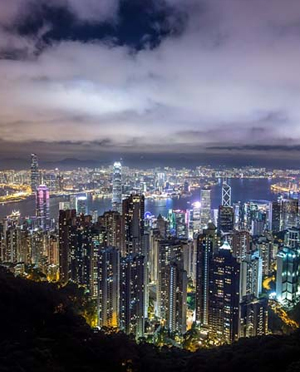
x: 251, y: 275
x: 111, y: 221
x: 133, y: 224
x: 225, y: 219
x: 292, y: 238
x: 253, y: 317
x: 196, y: 218
x: 81, y: 204
x: 162, y: 226
x: 223, y: 301
x: 264, y: 245
x: 109, y: 287
x: 274, y: 216
x: 132, y: 294
x: 289, y: 214
x: 240, y: 243
x: 169, y: 250
x: 179, y: 224
x: 117, y: 188
x: 43, y: 207
x: 205, y: 207
x: 67, y: 221
x: 226, y: 195
x: 287, y: 276
x: 35, y: 176
x: 176, y: 300
x: 207, y: 245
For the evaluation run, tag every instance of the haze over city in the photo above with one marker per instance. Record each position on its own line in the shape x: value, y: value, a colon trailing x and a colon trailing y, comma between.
x: 149, y: 185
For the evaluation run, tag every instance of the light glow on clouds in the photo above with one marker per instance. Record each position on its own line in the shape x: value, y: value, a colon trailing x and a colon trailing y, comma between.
x: 229, y: 80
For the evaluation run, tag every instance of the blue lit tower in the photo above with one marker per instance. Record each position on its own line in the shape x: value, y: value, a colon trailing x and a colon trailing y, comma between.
x: 117, y: 187
x: 226, y: 195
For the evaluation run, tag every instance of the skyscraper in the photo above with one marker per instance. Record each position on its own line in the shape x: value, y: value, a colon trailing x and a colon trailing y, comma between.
x: 287, y: 276
x: 81, y: 204
x: 253, y: 317
x: 223, y: 308
x: 205, y: 207
x: 176, y: 301
x: 251, y: 275
x: 109, y: 287
x: 132, y: 294
x: 289, y: 213
x: 274, y: 216
x: 117, y: 187
x: 226, y: 195
x: 207, y: 245
x: 133, y: 224
x: 34, y: 177
x: 225, y: 219
x: 111, y: 221
x: 67, y: 220
x: 169, y: 249
x: 42, y: 207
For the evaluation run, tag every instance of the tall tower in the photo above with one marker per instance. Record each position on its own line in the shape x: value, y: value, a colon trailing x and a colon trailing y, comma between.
x: 225, y: 219
x: 226, y: 195
x: 176, y: 301
x: 67, y: 221
x: 287, y: 276
x: 34, y: 169
x: 207, y: 245
x: 223, y: 317
x: 205, y: 207
x: 117, y: 188
x: 42, y: 207
x: 133, y: 224
x: 132, y: 295
x: 109, y: 287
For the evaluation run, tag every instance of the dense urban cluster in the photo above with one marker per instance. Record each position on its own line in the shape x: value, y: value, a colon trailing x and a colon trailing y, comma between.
x: 196, y: 277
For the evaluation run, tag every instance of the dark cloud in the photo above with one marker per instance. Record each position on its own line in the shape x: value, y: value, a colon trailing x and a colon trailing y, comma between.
x: 208, y: 78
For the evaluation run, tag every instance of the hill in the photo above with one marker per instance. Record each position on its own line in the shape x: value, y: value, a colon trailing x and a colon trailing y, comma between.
x: 41, y: 329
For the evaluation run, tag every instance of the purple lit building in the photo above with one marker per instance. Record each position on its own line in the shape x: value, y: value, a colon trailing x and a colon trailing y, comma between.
x: 42, y: 207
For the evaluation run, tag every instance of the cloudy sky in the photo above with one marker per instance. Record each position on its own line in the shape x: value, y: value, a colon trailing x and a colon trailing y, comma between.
x: 140, y: 79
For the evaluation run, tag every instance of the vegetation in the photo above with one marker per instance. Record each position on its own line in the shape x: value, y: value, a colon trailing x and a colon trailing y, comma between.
x: 42, y: 329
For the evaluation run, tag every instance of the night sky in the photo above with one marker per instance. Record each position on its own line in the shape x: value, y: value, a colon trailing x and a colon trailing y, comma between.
x: 168, y: 81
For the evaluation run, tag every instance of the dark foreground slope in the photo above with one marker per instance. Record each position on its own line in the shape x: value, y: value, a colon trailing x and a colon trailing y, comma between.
x: 40, y: 331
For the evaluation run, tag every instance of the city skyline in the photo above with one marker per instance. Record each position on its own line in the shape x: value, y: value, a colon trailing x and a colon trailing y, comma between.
x: 162, y: 81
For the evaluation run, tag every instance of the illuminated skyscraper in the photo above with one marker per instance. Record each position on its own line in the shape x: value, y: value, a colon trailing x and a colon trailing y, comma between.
x: 225, y: 219
x: 176, y: 300
x: 132, y: 295
x: 111, y: 221
x: 35, y: 177
x: 109, y: 287
x: 133, y: 224
x: 253, y: 317
x: 287, y: 276
x: 207, y: 245
x: 289, y: 213
x: 274, y: 216
x: 251, y: 275
x: 226, y: 195
x: 67, y: 223
x: 240, y: 243
x: 205, y: 207
x: 169, y: 250
x: 42, y: 207
x: 117, y: 188
x: 81, y: 204
x: 223, y: 308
